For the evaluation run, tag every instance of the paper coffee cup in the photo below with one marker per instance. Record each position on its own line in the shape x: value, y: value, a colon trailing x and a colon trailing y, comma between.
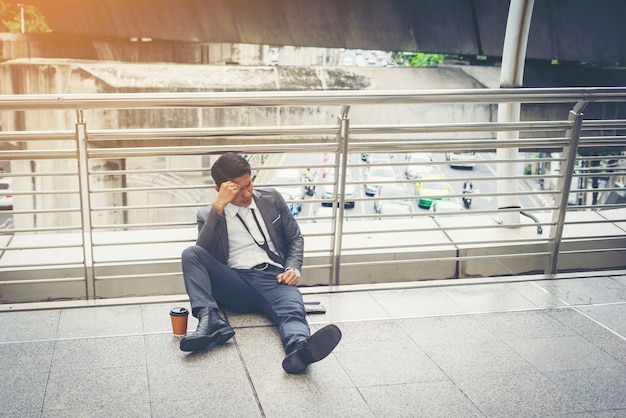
x: 179, y: 318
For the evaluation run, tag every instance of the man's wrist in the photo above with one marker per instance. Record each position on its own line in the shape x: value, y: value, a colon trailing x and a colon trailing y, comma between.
x: 295, y: 270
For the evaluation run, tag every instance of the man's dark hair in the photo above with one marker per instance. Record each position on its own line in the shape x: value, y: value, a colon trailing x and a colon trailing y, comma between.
x: 229, y: 166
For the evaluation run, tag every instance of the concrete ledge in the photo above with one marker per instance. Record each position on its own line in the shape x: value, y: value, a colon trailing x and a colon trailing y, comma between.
x: 129, y: 264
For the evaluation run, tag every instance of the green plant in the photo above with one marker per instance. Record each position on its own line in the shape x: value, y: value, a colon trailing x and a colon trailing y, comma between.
x: 418, y: 59
x: 34, y: 20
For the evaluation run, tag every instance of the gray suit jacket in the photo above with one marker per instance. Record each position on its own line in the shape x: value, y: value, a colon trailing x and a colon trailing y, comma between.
x: 281, y: 225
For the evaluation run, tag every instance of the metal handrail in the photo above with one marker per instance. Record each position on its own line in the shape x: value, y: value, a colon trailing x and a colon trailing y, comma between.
x: 85, y: 146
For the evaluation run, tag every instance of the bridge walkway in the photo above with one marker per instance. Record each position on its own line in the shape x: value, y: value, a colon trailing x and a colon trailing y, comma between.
x: 498, y: 347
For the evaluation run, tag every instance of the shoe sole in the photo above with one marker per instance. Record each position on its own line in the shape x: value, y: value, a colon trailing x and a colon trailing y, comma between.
x: 198, y: 343
x: 318, y: 347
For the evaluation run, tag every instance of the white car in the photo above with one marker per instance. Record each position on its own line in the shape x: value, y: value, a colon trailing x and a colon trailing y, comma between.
x: 379, y: 158
x: 446, y: 206
x: 386, y: 191
x: 328, y: 188
x: 419, y: 163
x: 461, y: 159
x: 383, y: 205
x: 324, y: 214
x: 282, y: 180
x: 375, y: 175
x: 6, y: 197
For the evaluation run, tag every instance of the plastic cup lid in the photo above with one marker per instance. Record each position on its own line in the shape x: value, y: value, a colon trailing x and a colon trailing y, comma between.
x: 179, y: 311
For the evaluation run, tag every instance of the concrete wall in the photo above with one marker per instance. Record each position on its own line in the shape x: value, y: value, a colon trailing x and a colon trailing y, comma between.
x: 35, y: 76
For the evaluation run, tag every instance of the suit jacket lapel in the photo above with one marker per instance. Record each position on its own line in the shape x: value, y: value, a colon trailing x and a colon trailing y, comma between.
x: 269, y: 213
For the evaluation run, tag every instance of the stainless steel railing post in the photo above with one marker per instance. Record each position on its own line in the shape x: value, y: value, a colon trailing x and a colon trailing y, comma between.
x: 340, y: 175
x: 80, y: 135
x: 564, y: 185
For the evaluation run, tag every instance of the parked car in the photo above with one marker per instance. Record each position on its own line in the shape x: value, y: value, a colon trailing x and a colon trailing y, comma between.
x: 463, y: 159
x: 328, y: 189
x: 418, y: 164
x: 440, y: 206
x: 294, y: 207
x: 6, y: 196
x: 324, y: 214
x: 376, y: 174
x: 282, y: 180
x: 379, y: 158
x: 395, y: 208
x: 386, y: 191
x: 383, y: 205
x: 436, y: 189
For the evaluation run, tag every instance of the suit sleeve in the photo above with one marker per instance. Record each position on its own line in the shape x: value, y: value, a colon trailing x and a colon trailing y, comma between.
x: 213, y: 227
x: 291, y: 234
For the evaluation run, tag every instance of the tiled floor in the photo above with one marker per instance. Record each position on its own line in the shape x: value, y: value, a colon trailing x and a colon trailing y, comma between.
x: 510, y: 347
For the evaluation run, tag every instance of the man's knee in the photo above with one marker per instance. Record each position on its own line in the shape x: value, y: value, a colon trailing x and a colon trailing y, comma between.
x: 193, y: 252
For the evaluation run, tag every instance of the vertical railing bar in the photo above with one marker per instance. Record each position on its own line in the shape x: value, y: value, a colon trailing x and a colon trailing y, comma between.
x: 344, y: 132
x: 567, y: 171
x: 85, y: 205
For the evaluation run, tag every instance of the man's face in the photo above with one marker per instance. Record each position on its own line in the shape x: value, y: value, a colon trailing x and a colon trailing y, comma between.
x: 244, y: 197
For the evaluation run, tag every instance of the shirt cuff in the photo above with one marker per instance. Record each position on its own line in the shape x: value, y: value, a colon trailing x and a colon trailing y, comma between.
x: 295, y: 270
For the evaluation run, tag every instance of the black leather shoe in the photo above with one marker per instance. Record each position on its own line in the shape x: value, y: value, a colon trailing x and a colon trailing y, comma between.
x: 314, y: 348
x: 212, y: 329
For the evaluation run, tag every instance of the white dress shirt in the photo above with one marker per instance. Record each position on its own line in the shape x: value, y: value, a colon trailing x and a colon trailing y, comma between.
x: 244, y: 253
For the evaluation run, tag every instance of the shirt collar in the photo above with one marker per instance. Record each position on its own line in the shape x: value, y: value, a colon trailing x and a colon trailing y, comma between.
x: 232, y: 210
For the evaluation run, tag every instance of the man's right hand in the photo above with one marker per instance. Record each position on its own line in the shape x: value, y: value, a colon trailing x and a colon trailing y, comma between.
x: 225, y: 194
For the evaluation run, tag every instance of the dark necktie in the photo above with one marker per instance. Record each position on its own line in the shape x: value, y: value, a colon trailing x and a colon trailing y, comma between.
x: 275, y: 258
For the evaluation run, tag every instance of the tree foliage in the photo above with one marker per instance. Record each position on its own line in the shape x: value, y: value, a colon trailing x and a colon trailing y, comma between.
x: 11, y: 20
x: 418, y: 59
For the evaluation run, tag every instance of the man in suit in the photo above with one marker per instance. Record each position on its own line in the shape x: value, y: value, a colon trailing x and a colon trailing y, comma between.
x: 248, y: 257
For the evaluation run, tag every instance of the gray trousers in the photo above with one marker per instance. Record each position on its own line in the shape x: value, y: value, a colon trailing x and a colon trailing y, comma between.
x: 209, y: 282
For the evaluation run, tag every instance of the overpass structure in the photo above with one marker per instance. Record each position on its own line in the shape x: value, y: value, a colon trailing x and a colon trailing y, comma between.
x: 564, y: 30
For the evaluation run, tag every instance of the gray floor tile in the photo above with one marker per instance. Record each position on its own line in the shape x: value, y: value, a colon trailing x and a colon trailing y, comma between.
x: 262, y: 355
x: 611, y: 316
x: 586, y: 290
x: 117, y: 411
x: 238, y: 404
x: 488, y: 298
x: 99, y: 353
x: 226, y: 384
x: 100, y: 321
x: 177, y: 375
x: 29, y: 325
x: 360, y: 306
x: 501, y: 349
x: 237, y: 320
x: 518, y: 395
x: 156, y: 317
x: 119, y: 388
x: 417, y: 302
x: 525, y: 324
x: 389, y: 366
x: 575, y: 320
x: 536, y: 294
x: 304, y: 404
x: 33, y: 356
x: 616, y: 413
x: 444, y: 330
x: 163, y: 351
x: 620, y: 279
x: 477, y: 358
x: 22, y: 391
x: 430, y: 399
x: 368, y: 335
x: 597, y: 335
x: 562, y: 353
x: 598, y: 389
x: 26, y: 414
